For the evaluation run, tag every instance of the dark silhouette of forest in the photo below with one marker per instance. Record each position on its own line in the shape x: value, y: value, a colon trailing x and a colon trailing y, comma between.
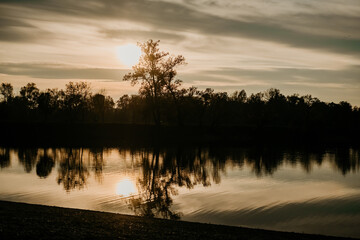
x: 77, y: 116
x: 164, y: 170
x: 77, y: 104
x: 163, y: 102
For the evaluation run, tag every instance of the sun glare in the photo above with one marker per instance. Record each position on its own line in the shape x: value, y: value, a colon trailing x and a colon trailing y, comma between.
x: 128, y: 54
x: 125, y: 188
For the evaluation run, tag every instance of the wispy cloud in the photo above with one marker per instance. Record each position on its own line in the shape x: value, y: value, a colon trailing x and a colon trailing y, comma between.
x: 61, y: 71
x: 178, y: 17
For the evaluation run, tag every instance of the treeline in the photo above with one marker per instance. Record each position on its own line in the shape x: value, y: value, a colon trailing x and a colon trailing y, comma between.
x: 189, y: 107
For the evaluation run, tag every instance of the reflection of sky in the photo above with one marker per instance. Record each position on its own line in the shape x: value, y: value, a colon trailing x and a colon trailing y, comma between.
x: 28, y: 187
x: 320, y: 201
x: 287, y: 185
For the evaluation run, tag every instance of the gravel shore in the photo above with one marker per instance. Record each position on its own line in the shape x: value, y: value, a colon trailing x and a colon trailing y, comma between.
x: 28, y: 221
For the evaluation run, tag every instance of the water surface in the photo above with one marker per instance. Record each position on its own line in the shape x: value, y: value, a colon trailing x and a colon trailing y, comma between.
x: 298, y: 189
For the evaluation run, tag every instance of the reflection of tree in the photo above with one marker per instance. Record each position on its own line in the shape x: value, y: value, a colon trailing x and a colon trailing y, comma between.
x: 72, y: 172
x: 4, y: 157
x: 264, y: 160
x: 347, y: 160
x: 163, y: 171
x: 309, y: 158
x: 73, y: 168
x: 44, y: 165
x: 98, y: 162
x: 28, y: 158
x: 156, y: 188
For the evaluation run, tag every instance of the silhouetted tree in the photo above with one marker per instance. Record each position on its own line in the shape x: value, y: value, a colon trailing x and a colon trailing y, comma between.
x: 102, y: 105
x: 30, y: 94
x: 239, y: 97
x: 156, y: 71
x: 98, y: 101
x: 276, y: 113
x: 77, y: 97
x: 6, y: 89
x: 123, y: 102
x: 50, y: 101
x: 255, y: 109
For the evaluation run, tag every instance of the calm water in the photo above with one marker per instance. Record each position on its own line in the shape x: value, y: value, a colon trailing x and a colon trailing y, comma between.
x: 299, y: 189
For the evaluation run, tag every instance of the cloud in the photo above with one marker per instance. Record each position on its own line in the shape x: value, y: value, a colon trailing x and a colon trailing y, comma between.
x: 12, y: 30
x: 348, y: 76
x: 331, y: 25
x: 140, y: 35
x: 177, y: 17
x: 8, y: 22
x: 60, y: 71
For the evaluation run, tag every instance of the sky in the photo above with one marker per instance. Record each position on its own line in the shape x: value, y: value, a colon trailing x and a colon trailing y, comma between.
x: 298, y: 46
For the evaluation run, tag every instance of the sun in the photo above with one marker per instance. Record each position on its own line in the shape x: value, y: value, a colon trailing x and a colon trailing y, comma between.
x: 128, y: 54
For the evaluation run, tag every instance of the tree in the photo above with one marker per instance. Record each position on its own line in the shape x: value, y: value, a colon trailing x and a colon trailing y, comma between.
x: 30, y: 94
x: 101, y: 105
x: 123, y: 102
x: 77, y: 96
x: 49, y: 101
x: 6, y: 89
x: 156, y: 72
x: 239, y: 97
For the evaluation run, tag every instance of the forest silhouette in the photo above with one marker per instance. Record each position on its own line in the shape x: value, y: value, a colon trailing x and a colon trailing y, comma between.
x: 77, y: 103
x: 76, y: 116
x: 162, y: 101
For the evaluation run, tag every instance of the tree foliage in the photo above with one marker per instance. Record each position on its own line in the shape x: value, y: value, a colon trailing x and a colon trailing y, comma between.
x: 197, y: 107
x: 156, y: 71
x: 6, y: 89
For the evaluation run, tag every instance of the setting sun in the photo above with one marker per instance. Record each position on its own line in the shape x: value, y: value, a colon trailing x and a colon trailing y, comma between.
x: 128, y: 54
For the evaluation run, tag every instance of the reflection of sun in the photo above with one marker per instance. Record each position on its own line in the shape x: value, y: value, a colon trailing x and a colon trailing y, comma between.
x: 128, y: 54
x: 125, y: 188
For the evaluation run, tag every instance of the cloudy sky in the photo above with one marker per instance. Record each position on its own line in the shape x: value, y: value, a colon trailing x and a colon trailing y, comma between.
x: 299, y: 46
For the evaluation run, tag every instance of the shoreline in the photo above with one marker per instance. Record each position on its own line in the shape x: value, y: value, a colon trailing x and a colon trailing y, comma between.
x: 31, y: 221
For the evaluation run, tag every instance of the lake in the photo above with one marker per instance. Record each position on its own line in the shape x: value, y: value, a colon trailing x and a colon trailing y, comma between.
x: 302, y: 189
